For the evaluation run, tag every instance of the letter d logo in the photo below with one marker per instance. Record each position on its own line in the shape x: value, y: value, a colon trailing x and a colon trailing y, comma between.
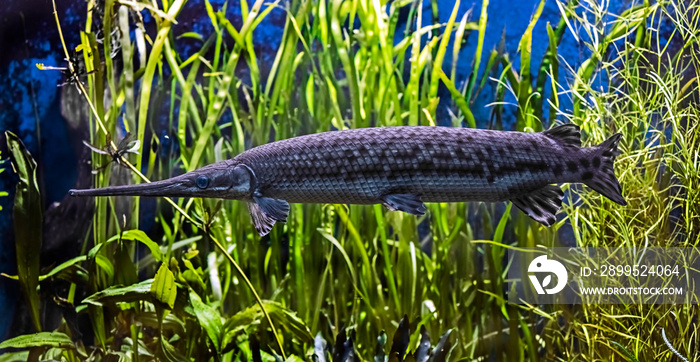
x: 542, y: 265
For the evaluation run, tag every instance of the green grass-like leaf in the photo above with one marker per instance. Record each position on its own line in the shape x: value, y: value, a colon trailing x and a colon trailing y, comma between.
x: 40, y: 339
x: 27, y: 217
x: 164, y: 288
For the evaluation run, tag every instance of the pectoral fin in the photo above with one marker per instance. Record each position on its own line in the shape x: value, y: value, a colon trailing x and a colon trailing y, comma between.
x: 541, y: 205
x: 409, y: 203
x: 265, y: 211
x: 263, y: 223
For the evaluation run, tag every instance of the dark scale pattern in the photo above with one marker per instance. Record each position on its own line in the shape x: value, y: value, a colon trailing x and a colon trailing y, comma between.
x: 439, y: 164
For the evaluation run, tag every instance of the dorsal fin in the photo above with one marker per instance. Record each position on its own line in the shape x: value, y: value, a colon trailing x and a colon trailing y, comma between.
x: 567, y: 134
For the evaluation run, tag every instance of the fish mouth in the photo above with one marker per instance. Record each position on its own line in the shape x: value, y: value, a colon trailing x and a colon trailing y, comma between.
x: 167, y: 188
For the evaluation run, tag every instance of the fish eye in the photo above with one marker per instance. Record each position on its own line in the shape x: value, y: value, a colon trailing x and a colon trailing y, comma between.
x: 202, y: 182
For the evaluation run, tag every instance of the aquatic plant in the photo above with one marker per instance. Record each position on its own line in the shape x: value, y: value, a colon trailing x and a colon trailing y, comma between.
x: 2, y: 193
x: 209, y: 288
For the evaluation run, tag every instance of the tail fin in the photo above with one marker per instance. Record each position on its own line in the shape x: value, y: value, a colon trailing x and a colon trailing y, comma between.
x: 604, y: 180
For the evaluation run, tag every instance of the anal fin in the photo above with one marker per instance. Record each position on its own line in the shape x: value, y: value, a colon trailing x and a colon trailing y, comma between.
x: 265, y: 211
x: 409, y: 203
x: 542, y: 205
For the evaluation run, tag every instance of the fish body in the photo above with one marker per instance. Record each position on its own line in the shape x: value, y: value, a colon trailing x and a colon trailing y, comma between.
x: 401, y: 167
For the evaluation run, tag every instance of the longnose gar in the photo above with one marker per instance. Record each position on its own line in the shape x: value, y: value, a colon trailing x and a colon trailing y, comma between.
x: 401, y: 168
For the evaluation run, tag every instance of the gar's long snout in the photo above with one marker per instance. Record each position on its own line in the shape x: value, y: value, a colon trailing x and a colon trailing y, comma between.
x: 218, y: 180
x: 171, y: 187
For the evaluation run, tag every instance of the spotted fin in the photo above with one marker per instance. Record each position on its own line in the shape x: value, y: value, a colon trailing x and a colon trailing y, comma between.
x: 541, y: 205
x: 409, y: 203
x: 603, y: 179
x: 567, y: 134
x: 265, y: 211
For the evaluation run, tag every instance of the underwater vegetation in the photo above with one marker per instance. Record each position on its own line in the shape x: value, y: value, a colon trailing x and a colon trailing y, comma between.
x: 183, y: 279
